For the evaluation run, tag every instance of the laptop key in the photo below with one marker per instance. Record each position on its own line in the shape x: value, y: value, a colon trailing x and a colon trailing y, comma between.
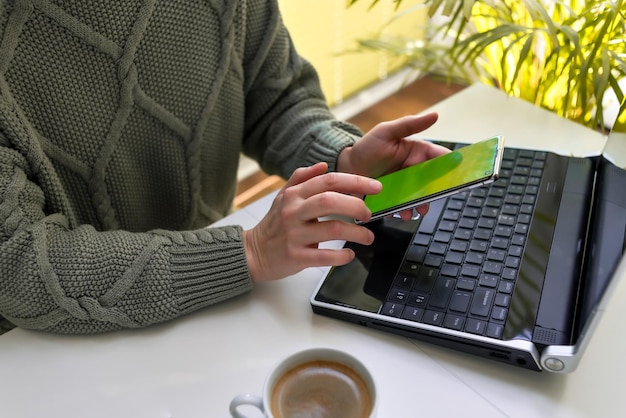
x: 526, y: 209
x: 432, y: 260
x: 526, y: 154
x: 470, y: 271
x: 497, y: 192
x: 500, y: 243
x: 455, y: 204
x: 488, y: 280
x: 531, y: 190
x: 392, y: 309
x: 474, y: 258
x: 458, y: 245
x: 455, y: 322
x: 503, y: 231
x: 451, y: 215
x: 518, y: 240
x: 521, y: 229
x: 450, y: 270
x: 447, y: 226
x: 425, y: 279
x: 454, y: 257
x: 512, y: 262
x: 499, y: 313
x: 502, y: 299
x: 467, y: 223
x: 418, y: 299
x: 441, y: 293
x: 416, y: 253
x: 398, y: 295
x: 506, y: 220
x: 460, y: 301
x: 495, y: 330
x: 475, y: 202
x: 490, y: 212
x: 466, y: 284
x: 482, y: 233
x: 515, y: 250
x: 470, y: 212
x: 478, y: 245
x: 496, y: 255
x: 511, y: 210
x: 506, y: 286
x: 403, y: 281
x: 443, y: 236
x: 475, y: 326
x: 529, y: 199
x: 483, y: 299
x: 492, y: 267
x: 488, y: 223
x: 463, y: 234
x: 410, y: 268
x: 438, y: 248
x: 509, y: 273
x: 412, y: 314
x: 479, y: 192
x: 421, y: 239
x: 433, y: 317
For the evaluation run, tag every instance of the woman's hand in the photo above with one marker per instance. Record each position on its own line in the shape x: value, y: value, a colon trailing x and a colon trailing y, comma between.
x: 287, y: 238
x: 386, y: 148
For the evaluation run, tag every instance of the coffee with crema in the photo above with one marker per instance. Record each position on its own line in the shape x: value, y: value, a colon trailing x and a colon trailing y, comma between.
x: 321, y: 389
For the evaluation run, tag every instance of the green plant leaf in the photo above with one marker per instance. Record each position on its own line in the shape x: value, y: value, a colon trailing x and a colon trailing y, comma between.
x: 522, y: 57
x: 562, y: 55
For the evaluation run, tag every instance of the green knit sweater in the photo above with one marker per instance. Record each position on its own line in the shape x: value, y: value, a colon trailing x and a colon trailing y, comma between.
x: 121, y: 127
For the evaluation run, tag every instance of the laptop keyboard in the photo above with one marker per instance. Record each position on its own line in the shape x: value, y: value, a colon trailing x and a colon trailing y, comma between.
x: 461, y: 269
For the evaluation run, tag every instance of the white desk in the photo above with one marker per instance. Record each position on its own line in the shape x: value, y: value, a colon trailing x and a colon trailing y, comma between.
x: 192, y: 367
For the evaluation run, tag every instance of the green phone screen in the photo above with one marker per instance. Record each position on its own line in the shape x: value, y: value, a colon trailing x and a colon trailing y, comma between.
x: 470, y: 164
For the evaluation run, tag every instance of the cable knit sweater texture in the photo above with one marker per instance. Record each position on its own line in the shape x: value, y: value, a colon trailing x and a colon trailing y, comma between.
x: 121, y: 126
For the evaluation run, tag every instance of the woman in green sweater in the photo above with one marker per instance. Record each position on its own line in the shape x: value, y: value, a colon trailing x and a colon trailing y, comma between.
x: 121, y: 126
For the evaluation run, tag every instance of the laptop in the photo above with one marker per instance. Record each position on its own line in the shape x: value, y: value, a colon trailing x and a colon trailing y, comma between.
x: 518, y: 271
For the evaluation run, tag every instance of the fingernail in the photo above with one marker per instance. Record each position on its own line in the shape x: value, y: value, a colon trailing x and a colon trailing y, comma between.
x: 376, y: 184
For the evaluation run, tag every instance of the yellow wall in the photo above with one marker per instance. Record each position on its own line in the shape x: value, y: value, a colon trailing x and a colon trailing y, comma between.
x: 325, y: 30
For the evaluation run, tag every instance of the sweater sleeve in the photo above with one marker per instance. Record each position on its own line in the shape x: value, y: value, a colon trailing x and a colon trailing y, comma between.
x: 62, y: 277
x: 288, y: 122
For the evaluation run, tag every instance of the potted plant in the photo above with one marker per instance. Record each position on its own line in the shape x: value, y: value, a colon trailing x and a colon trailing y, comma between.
x: 568, y: 56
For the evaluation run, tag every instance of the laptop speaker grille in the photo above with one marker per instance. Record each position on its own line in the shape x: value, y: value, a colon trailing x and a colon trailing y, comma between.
x: 545, y: 336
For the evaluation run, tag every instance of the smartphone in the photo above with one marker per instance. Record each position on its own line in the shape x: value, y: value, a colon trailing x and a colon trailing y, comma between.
x: 462, y: 169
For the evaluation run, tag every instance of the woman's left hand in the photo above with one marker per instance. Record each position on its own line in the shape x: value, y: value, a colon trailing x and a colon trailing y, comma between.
x: 386, y: 148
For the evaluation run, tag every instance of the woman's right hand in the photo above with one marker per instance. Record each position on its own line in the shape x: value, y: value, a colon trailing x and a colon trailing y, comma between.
x: 287, y: 239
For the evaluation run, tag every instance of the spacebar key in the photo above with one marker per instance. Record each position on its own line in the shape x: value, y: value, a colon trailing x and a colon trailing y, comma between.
x: 483, y: 299
x: 429, y: 221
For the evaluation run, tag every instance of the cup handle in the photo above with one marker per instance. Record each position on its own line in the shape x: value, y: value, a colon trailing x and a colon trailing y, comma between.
x: 245, y: 399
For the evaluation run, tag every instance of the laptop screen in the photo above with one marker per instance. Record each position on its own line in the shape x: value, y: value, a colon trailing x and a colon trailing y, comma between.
x: 607, y: 227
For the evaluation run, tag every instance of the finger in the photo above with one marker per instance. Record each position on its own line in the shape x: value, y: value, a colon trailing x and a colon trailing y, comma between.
x: 333, y: 203
x: 332, y: 230
x: 339, y: 182
x: 315, y: 257
x: 407, y: 215
x: 404, y: 126
x: 423, y: 209
x: 303, y: 174
x: 424, y: 150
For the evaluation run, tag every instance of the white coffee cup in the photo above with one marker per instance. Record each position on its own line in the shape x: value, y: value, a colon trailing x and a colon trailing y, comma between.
x: 317, y: 379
